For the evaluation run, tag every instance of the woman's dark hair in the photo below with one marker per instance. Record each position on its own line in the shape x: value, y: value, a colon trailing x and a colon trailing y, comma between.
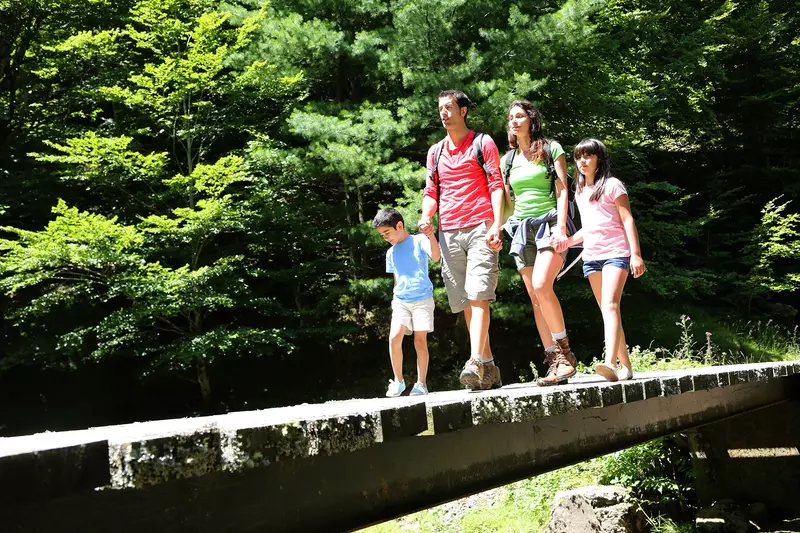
x: 593, y: 147
x: 538, y: 140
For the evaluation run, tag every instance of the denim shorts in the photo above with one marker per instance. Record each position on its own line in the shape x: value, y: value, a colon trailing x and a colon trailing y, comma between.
x: 590, y: 267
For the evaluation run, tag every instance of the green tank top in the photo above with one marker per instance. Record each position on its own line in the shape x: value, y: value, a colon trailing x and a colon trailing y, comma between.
x: 530, y: 184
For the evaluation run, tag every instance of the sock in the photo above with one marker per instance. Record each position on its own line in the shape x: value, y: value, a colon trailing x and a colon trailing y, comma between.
x: 550, y: 349
x: 490, y: 360
x: 560, y: 335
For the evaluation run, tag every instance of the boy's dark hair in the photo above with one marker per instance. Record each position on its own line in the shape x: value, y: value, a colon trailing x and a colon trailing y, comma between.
x: 389, y: 217
x: 462, y: 100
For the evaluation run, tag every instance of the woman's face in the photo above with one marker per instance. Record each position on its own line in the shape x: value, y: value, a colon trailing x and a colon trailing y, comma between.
x: 587, y: 164
x: 518, y: 122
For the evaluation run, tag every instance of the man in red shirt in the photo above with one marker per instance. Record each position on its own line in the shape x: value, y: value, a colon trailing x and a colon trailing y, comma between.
x: 470, y: 203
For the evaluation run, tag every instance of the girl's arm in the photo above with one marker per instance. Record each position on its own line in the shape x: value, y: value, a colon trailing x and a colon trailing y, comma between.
x: 637, y: 263
x: 572, y: 240
x: 562, y: 195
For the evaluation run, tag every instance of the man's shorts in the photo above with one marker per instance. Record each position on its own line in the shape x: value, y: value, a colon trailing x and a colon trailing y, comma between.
x: 590, y: 267
x: 415, y: 316
x: 528, y: 256
x: 469, y: 267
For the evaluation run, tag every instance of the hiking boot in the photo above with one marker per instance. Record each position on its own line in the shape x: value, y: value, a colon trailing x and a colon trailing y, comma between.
x: 566, y: 352
x: 552, y: 370
x: 491, y: 376
x: 472, y: 375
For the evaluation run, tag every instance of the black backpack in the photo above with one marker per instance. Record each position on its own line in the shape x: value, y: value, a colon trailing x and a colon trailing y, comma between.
x: 477, y: 149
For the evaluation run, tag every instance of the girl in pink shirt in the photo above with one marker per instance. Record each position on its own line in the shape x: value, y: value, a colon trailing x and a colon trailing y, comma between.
x: 610, y: 246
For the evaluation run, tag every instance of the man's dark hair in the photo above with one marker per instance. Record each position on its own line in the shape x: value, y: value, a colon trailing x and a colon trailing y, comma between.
x: 462, y: 100
x: 388, y: 217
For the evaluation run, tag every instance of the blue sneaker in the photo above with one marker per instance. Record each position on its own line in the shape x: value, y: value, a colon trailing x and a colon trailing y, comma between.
x: 396, y: 388
x: 418, y: 390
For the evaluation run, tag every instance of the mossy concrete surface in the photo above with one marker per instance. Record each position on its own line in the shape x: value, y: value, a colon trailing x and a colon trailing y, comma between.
x: 161, y: 460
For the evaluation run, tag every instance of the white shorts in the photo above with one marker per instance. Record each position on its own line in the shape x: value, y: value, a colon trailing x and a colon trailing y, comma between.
x: 415, y: 316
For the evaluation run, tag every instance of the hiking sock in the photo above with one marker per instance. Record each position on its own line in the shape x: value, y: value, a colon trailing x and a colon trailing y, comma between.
x: 550, y: 349
x: 560, y: 335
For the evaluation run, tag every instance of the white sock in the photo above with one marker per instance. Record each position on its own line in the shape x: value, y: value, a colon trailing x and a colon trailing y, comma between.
x: 560, y: 335
x: 550, y: 349
x: 490, y: 360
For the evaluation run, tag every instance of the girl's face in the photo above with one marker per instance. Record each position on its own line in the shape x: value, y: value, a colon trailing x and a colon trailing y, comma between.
x: 587, y: 164
x: 519, y: 122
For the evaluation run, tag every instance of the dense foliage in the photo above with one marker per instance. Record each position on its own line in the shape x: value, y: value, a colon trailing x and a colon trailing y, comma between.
x: 186, y: 185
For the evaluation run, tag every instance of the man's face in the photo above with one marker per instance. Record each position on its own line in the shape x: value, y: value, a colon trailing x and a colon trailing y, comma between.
x: 450, y: 113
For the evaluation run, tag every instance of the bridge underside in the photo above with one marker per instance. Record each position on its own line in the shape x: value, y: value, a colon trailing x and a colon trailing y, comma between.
x: 474, y: 442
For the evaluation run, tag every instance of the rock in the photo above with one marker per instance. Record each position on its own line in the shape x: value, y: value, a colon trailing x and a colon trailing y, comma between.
x: 723, y: 516
x: 602, y: 509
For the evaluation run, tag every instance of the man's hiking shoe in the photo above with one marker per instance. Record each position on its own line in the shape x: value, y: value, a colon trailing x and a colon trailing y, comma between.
x: 551, y: 377
x: 472, y: 375
x: 491, y: 377
x: 607, y: 371
x: 396, y: 388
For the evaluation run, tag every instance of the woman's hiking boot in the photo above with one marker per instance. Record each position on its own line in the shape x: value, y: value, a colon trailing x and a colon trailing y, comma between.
x: 560, y: 365
x: 473, y: 373
x: 491, y: 376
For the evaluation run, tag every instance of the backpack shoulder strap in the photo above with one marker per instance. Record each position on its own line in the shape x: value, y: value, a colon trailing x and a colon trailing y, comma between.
x: 437, y: 153
x: 477, y: 149
x: 507, y: 171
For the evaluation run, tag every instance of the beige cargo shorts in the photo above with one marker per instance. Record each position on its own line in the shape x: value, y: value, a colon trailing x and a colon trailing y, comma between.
x: 469, y: 267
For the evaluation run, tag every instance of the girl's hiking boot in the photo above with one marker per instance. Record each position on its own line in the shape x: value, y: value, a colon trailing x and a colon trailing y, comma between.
x: 472, y: 375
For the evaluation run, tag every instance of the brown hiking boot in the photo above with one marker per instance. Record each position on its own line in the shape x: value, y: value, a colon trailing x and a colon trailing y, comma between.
x: 473, y: 373
x: 563, y: 347
x: 491, y: 376
x: 561, y: 363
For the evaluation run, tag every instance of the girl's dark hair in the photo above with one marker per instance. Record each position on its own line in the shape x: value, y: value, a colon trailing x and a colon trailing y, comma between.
x: 593, y: 147
x: 538, y: 140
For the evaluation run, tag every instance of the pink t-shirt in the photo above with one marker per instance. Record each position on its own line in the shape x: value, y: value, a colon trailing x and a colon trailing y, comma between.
x: 603, y: 233
x: 465, y: 188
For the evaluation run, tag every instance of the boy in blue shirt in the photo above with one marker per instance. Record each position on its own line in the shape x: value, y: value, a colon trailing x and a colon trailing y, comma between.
x: 412, y: 305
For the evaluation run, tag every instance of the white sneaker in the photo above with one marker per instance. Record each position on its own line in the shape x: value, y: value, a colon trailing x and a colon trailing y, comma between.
x: 606, y: 371
x: 624, y: 373
x: 396, y: 388
x: 418, y: 390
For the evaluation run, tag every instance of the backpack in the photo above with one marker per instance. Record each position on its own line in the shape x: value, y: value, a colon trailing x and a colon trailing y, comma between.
x: 477, y: 149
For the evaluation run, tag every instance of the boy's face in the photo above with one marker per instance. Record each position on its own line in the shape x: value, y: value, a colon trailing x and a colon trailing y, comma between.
x: 392, y: 235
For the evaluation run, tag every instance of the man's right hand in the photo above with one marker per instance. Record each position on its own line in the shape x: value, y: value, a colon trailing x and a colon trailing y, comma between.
x: 424, y: 225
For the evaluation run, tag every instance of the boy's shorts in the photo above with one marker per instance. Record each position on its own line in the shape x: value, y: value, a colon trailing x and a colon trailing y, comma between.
x: 415, y: 316
x: 469, y: 267
x: 590, y: 267
x: 528, y: 256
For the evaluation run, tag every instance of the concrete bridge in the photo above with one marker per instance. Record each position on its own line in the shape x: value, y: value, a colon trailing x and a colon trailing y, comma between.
x: 344, y: 465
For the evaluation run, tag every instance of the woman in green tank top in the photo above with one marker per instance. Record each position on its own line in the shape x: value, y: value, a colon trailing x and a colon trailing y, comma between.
x: 534, y: 206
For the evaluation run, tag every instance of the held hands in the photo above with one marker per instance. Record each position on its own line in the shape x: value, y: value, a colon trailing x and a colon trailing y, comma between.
x: 424, y: 225
x: 558, y: 239
x: 637, y: 266
x: 493, y: 239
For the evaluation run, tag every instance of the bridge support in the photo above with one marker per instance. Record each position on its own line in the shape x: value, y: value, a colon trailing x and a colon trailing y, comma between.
x: 753, y: 457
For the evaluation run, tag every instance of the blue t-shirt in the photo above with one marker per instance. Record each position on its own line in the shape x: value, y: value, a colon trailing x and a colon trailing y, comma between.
x: 408, y: 260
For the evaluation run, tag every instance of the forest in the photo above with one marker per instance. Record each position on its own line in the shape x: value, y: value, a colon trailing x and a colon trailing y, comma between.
x: 186, y: 187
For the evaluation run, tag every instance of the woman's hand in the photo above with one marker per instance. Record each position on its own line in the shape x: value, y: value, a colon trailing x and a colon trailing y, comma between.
x: 637, y: 266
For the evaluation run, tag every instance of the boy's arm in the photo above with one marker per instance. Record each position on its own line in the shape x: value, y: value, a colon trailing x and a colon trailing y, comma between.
x: 436, y: 252
x: 637, y: 263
